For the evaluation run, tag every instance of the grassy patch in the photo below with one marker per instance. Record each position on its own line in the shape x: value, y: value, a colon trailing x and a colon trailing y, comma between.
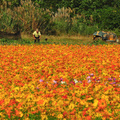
x: 63, y: 40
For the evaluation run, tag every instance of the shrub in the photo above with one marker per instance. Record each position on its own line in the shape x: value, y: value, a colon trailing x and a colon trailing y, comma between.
x: 27, y: 16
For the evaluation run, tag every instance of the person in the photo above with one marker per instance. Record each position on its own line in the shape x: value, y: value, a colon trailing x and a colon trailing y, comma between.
x: 36, y: 35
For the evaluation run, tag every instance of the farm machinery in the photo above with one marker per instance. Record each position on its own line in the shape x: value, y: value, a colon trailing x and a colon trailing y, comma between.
x: 106, y: 36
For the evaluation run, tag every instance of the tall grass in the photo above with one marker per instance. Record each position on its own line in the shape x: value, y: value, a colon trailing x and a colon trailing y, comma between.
x: 66, y: 21
x: 28, y: 16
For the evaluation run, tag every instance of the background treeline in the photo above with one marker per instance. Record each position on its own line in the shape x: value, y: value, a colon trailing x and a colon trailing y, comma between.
x: 60, y: 16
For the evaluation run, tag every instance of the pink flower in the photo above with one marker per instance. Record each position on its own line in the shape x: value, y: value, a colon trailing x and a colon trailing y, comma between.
x: 91, y: 74
x: 88, y: 77
x: 40, y: 80
x: 89, y: 81
x: 54, y: 81
x: 61, y: 79
x: 37, y: 88
x: 80, y: 81
x: 109, y: 79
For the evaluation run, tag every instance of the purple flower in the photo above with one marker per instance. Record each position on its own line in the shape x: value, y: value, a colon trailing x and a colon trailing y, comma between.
x: 109, y: 79
x: 91, y: 74
x: 114, y: 79
x: 40, y: 80
x: 113, y: 83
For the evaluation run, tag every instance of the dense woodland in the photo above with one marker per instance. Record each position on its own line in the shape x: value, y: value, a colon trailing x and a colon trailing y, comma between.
x: 60, y: 16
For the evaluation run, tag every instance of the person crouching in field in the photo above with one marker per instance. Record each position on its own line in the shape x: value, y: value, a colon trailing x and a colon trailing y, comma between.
x: 36, y: 35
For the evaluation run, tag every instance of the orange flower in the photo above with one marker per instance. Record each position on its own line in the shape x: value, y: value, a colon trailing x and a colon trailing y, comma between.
x: 40, y: 102
x: 102, y: 103
x: 88, y: 117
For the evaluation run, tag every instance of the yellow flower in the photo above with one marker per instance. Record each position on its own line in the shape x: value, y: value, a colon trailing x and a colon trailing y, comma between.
x: 64, y: 119
x: 60, y: 116
x: 27, y: 118
x: 32, y: 87
x: 98, y: 115
x: 19, y: 100
x: 25, y: 86
x: 78, y: 116
x: 32, y: 108
x: 105, y: 97
x: 95, y: 103
x: 71, y: 106
x: 16, y: 89
x: 1, y: 115
x: 90, y: 98
x: 21, y: 114
x: 82, y: 102
x: 97, y: 87
x: 44, y: 117
x: 111, y: 119
x: 118, y: 106
x: 60, y: 102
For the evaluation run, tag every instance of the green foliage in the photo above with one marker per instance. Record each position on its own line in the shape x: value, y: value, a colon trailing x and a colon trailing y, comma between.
x: 7, y: 41
x: 98, y: 42
x: 98, y: 118
x: 107, y: 18
x: 60, y: 16
x: 35, y: 116
x: 11, y: 3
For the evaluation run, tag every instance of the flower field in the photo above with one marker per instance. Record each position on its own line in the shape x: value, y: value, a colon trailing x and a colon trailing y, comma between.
x: 75, y: 82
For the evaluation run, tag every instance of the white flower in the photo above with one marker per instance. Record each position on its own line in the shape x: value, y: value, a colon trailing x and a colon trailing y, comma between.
x: 63, y: 82
x: 75, y: 80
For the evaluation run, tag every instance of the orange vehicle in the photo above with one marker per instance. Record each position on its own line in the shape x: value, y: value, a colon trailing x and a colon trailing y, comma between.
x: 106, y: 36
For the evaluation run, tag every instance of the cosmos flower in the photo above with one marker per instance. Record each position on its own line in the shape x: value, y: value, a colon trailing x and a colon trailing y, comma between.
x: 63, y: 82
x: 40, y: 80
x: 54, y: 81
x: 91, y: 74
x: 61, y: 79
x: 75, y: 80
x: 109, y: 79
x: 88, y: 77
x: 89, y: 81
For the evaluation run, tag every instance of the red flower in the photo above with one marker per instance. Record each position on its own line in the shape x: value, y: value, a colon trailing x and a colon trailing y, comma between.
x: 1, y: 102
x: 65, y: 114
x: 84, y: 113
x: 12, y: 102
x: 65, y: 96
